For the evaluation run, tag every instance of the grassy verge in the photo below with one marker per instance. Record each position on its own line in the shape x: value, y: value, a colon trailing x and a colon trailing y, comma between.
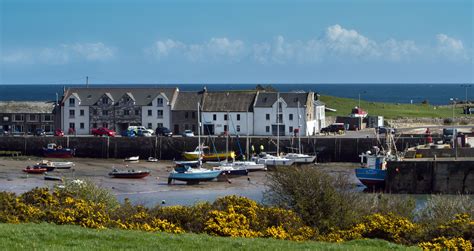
x: 52, y: 237
x: 390, y: 110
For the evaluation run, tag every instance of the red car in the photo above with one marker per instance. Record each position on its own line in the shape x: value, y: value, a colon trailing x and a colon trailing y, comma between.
x: 58, y: 132
x: 102, y: 131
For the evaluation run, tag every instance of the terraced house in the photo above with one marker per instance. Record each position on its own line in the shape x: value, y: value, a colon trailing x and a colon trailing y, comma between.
x: 24, y: 117
x: 116, y: 108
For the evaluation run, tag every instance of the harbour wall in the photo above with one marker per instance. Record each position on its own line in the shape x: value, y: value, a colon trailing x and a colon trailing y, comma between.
x: 328, y: 148
x: 430, y: 176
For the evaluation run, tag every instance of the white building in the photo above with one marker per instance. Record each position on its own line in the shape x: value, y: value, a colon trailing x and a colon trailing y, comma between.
x: 228, y: 112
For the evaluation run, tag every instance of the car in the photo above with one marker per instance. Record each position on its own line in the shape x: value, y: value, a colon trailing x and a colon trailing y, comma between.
x: 58, y: 132
x: 40, y: 132
x: 102, y: 131
x: 163, y: 131
x: 144, y: 133
x: 448, y: 134
x: 3, y: 132
x: 188, y: 133
x: 334, y: 128
x: 138, y: 128
x: 384, y: 130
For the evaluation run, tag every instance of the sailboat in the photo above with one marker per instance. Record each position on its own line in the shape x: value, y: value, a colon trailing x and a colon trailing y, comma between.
x: 270, y: 160
x: 194, y: 175
x: 300, y: 157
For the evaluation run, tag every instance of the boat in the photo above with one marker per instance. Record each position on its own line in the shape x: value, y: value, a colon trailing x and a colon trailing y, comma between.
x: 300, y: 158
x: 35, y: 170
x: 270, y: 160
x: 232, y: 169
x: 193, y: 175
x: 52, y: 177
x: 207, y: 155
x: 54, y: 151
x: 129, y: 174
x: 132, y: 159
x: 191, y: 163
x: 250, y: 166
x: 55, y: 164
x: 151, y: 159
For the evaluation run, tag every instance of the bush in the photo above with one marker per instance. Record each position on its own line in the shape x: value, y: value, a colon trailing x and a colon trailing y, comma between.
x: 441, y: 208
x: 87, y: 190
x: 443, y: 243
x: 448, y: 121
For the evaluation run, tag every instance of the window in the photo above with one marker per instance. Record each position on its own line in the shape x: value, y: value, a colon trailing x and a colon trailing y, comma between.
x: 105, y: 125
x: 137, y: 112
x: 160, y: 114
x: 290, y: 129
x: 18, y: 117
x: 267, y: 128
x: 81, y: 125
x: 149, y: 113
x: 47, y: 117
x: 225, y: 128
x: 126, y: 112
x: 214, y: 117
x: 81, y: 112
x: 290, y: 117
x: 72, y: 125
x: 18, y: 128
x: 280, y: 106
x: 238, y: 128
x: 160, y: 125
x: 32, y: 117
x: 105, y: 100
x: 186, y: 115
x: 149, y: 125
x: 225, y: 116
x: 159, y: 102
x: 238, y: 116
x: 105, y: 112
x: 72, y: 102
x: 94, y: 125
x: 194, y: 128
x: 193, y: 115
x: 72, y: 113
x: 267, y: 116
x: 280, y: 118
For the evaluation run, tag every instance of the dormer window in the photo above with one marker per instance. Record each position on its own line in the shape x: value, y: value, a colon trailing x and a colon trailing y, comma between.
x: 159, y: 102
x: 72, y: 102
x: 265, y: 99
x: 89, y: 96
x: 105, y: 100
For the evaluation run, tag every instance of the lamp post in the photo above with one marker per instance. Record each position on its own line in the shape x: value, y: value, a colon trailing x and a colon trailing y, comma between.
x: 454, y: 131
x: 465, y: 90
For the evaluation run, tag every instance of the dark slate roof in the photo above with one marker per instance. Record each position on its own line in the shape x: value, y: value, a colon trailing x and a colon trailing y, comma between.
x: 228, y: 101
x: 26, y: 107
x: 187, y: 101
x: 267, y: 99
x: 143, y: 96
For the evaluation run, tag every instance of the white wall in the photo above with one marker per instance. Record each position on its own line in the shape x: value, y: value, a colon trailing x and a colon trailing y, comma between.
x: 78, y: 119
x: 261, y: 122
x: 207, y: 118
x: 320, y: 117
x: 153, y: 119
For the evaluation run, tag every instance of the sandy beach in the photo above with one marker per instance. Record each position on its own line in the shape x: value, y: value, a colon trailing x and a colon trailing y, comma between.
x: 149, y: 190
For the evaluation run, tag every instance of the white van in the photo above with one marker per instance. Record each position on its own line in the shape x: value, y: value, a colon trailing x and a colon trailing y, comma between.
x: 141, y: 128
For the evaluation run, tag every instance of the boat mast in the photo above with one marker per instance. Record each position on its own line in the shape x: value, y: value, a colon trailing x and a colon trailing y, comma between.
x: 299, y: 129
x: 278, y: 123
x: 199, y: 133
x: 227, y: 139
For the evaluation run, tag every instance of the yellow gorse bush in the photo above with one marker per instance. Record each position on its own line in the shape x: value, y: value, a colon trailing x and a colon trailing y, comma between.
x: 443, y: 243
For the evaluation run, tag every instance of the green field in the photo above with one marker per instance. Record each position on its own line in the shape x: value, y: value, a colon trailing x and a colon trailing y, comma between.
x: 52, y: 237
x: 390, y: 110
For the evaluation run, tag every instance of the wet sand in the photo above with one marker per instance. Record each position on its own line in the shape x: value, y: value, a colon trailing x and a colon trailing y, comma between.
x: 150, y: 190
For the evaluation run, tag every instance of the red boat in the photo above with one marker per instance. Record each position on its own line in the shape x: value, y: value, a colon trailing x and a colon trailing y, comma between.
x: 35, y: 170
x: 129, y: 174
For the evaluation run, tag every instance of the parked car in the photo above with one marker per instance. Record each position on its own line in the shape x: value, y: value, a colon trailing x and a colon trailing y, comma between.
x: 334, y: 128
x: 3, y: 132
x: 448, y: 134
x: 140, y: 128
x: 58, y: 132
x: 40, y: 132
x: 102, y: 131
x: 144, y: 133
x: 163, y: 131
x: 188, y: 133
x: 384, y: 130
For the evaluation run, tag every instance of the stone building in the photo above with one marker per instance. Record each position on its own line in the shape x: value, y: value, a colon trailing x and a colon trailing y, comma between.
x: 24, y: 117
x: 184, y: 115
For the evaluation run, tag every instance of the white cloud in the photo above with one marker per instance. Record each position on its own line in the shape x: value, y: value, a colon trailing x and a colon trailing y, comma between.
x: 344, y: 41
x: 450, y: 47
x: 61, y: 54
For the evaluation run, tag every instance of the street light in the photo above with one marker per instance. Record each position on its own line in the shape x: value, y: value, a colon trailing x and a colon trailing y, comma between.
x: 465, y: 89
x: 454, y: 131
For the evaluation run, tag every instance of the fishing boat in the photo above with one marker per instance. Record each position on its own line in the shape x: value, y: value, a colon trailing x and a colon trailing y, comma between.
x: 132, y: 159
x: 51, y: 165
x: 193, y: 175
x: 129, y: 174
x: 207, y: 155
x: 35, y: 170
x: 54, y: 151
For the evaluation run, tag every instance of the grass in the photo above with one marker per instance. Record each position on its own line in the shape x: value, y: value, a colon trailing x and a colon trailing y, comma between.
x: 46, y: 236
x: 390, y: 110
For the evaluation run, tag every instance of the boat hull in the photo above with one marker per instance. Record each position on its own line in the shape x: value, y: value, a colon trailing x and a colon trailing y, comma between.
x: 303, y: 160
x: 194, y: 177
x: 58, y: 153
x: 371, y: 177
x: 209, y: 157
x: 35, y: 170
x: 276, y: 162
x: 129, y: 175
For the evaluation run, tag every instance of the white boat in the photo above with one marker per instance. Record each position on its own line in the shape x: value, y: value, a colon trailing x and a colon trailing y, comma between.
x: 151, y: 159
x: 250, y: 166
x: 270, y: 160
x: 133, y: 159
x: 300, y: 158
x: 56, y: 164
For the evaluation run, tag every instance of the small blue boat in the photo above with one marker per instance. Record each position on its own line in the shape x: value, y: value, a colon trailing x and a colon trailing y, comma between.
x: 373, y: 171
x: 194, y: 175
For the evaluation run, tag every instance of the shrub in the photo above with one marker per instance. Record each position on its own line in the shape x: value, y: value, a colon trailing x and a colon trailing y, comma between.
x: 190, y: 218
x: 89, y: 191
x: 381, y: 203
x: 448, y: 121
x: 229, y: 223
x: 443, y: 243
x: 441, y: 208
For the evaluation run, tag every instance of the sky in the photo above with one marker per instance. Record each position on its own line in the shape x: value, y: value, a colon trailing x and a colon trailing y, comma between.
x: 230, y: 41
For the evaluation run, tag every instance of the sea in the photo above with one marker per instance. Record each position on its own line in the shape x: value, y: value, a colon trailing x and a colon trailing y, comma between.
x: 436, y: 94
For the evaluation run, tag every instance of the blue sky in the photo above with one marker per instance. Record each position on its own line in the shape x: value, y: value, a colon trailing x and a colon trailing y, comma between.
x: 376, y: 41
